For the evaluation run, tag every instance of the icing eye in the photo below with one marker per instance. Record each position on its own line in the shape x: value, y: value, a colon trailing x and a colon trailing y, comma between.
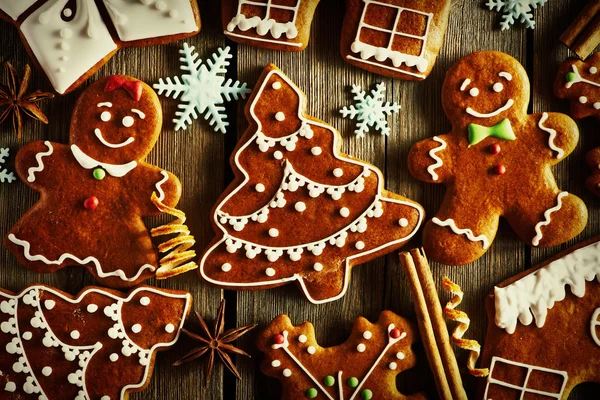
x: 128, y: 121
x: 474, y: 92
x: 105, y: 116
x: 280, y: 116
x: 498, y: 87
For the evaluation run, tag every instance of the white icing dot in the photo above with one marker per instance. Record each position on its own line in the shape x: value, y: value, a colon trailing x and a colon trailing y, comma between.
x: 170, y: 328
x: 64, y: 58
x: 316, y: 151
x: 92, y: 308
x: 302, y: 338
x: 311, y: 350
x: 361, y: 347
x: 75, y: 334
x: 593, y: 70
x: 270, y: 272
x: 275, y: 363
x: 400, y: 355
x: 583, y: 99
x: 474, y: 92
x: 276, y: 85
x: 160, y: 6
x: 403, y: 222
x: 393, y: 366
x: 278, y: 155
x: 597, y: 105
x: 128, y: 121
x: 287, y: 373
x: 338, y: 172
x: 300, y: 206
x: 49, y: 304
x: 66, y: 33
x: 65, y: 46
x: 60, y: 69
x: 47, y: 371
x: 344, y: 212
x: 360, y: 245
x: 273, y: 232
x: 27, y: 335
x: 498, y: 87
x: 145, y: 301
x: 104, y: 398
x: 105, y: 116
x: 114, y: 357
x: 226, y: 267
x: 67, y: 12
x: 318, y: 267
x: 280, y: 116
x: 367, y: 335
x: 259, y: 187
x: 137, y: 328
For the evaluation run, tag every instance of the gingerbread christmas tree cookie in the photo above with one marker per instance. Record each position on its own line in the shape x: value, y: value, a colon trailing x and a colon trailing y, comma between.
x: 95, y: 190
x: 298, y: 209
x: 496, y: 162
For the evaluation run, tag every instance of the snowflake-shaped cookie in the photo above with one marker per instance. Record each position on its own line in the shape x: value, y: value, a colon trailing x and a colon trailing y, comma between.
x: 370, y: 110
x: 4, y: 174
x: 203, y: 89
x: 515, y: 10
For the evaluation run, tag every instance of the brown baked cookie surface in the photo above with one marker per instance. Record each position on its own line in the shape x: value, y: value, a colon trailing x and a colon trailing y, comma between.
x: 95, y: 190
x: 272, y: 24
x: 100, y: 344
x: 299, y: 210
x: 579, y: 82
x: 543, y: 336
x: 365, y: 366
x: 396, y: 38
x: 496, y: 162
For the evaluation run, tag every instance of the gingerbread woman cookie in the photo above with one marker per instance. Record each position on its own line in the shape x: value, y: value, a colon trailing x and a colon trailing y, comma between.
x: 95, y: 190
x: 99, y: 344
x: 298, y: 209
x: 363, y: 367
x: 495, y: 163
x: 543, y: 334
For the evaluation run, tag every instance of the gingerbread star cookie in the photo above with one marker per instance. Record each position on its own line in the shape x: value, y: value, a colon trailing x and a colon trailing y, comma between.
x: 495, y: 163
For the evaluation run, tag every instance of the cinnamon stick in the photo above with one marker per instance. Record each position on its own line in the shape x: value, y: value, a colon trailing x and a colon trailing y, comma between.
x: 583, y: 35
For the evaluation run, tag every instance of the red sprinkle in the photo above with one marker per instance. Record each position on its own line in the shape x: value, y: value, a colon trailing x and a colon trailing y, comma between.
x: 500, y: 169
x: 91, y: 203
x: 278, y: 339
x: 495, y: 148
x: 395, y: 333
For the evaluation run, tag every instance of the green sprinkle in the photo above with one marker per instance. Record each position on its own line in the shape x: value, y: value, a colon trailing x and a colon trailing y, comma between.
x: 353, y: 382
x: 311, y: 393
x: 99, y: 174
x: 570, y: 76
x: 329, y: 380
x: 366, y: 394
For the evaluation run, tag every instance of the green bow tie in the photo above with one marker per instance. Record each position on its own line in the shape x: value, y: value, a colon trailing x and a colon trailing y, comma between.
x: 501, y: 130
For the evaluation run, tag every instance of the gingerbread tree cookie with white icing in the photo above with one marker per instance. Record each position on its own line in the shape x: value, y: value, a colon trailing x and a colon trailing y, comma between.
x: 365, y: 366
x: 100, y: 344
x: 95, y: 190
x: 495, y: 163
x: 71, y: 39
x: 272, y: 24
x: 298, y: 209
x: 543, y: 336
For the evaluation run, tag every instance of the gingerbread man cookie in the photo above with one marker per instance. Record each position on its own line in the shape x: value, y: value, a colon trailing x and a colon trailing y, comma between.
x: 579, y: 82
x: 95, y: 191
x: 99, y: 344
x: 495, y: 163
x: 298, y: 209
x: 543, y: 336
x: 363, y: 367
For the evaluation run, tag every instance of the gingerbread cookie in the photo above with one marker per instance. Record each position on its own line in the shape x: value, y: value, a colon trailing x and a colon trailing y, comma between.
x: 95, y: 190
x: 593, y: 181
x: 99, y: 344
x: 71, y: 39
x: 272, y: 24
x: 396, y: 38
x: 544, y: 339
x: 579, y: 82
x: 365, y: 366
x: 495, y: 163
x: 298, y: 209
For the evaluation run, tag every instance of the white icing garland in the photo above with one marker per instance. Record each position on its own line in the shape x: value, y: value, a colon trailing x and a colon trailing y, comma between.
x: 467, y: 232
x: 40, y: 167
x: 547, y: 219
x: 289, y: 142
x: 559, y: 152
x: 432, y: 153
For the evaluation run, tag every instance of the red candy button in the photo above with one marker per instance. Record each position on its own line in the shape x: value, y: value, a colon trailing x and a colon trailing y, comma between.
x: 278, y: 339
x: 500, y: 169
x: 90, y: 203
x: 395, y: 333
x: 495, y: 148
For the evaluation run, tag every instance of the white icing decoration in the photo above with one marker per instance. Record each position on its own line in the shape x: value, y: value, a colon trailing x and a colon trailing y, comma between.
x: 547, y: 219
x: 360, y: 245
x: 104, y: 398
x: 505, y: 75
x: 578, y: 78
x: 361, y: 347
x: 597, y: 105
x: 92, y: 308
x: 533, y: 295
x: 594, y: 323
x: 42, y: 28
x: 467, y: 232
x: 275, y: 363
x: 382, y: 54
x: 338, y: 172
x: 49, y: 304
x: 88, y: 162
x: 105, y: 104
x: 593, y: 70
x: 259, y: 187
x: 113, y: 357
x: 392, y: 366
x: 226, y: 267
x: 75, y: 335
x: 10, y: 387
x: 278, y: 155
x: 474, y: 92
x: 477, y: 114
x: 280, y: 116
x: 583, y: 99
x: 65, y: 256
x: 135, y: 20
x: 400, y: 355
x: 124, y: 143
x: 367, y: 335
x: 302, y: 338
x: 105, y: 116
x: 40, y: 167
x: 403, y: 222
x: 344, y: 212
x: 14, y: 8
x: 433, y: 154
x: 464, y: 85
x: 47, y: 371
x: 128, y: 121
x: 288, y: 142
x: 169, y: 328
x: 300, y: 206
x: 276, y: 85
x: 136, y: 328
x: 161, y: 193
x: 311, y: 350
x: 315, y: 151
x: 270, y: 272
x: 523, y: 390
x: 287, y: 373
x: 498, y: 87
x: 145, y: 301
x: 139, y: 113
x: 27, y: 335
x: 318, y: 267
x: 559, y: 152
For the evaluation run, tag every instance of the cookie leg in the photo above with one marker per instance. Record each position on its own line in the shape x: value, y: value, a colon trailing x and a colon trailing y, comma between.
x: 554, y: 218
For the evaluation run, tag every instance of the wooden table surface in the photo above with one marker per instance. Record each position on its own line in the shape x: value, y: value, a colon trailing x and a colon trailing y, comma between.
x: 199, y: 157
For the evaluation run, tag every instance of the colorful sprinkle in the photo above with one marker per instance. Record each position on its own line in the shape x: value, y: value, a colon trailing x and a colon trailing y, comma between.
x: 395, y: 333
x: 495, y: 148
x: 570, y: 76
x: 311, y: 393
x: 99, y: 174
x: 278, y: 339
x: 329, y: 380
x: 500, y: 169
x: 353, y: 382
x: 366, y: 394
x: 91, y: 203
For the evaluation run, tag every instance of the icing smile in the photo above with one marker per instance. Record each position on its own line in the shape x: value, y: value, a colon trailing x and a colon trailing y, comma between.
x: 112, y: 145
x: 505, y: 107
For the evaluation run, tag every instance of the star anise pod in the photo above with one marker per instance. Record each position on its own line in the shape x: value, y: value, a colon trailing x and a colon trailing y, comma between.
x: 13, y: 97
x: 216, y: 341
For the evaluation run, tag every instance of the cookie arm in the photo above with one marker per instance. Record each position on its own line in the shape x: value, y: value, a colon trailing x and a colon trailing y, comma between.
x: 166, y: 186
x: 561, y: 134
x: 428, y: 160
x: 36, y: 163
